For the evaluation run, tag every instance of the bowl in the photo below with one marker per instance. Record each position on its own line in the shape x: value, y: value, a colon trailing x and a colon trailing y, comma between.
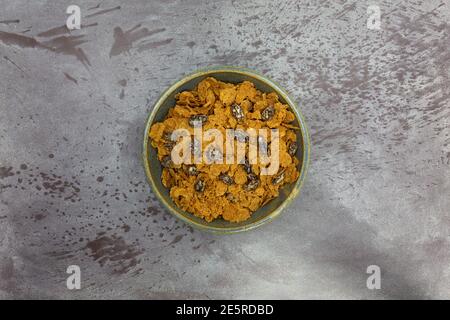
x: 153, y: 167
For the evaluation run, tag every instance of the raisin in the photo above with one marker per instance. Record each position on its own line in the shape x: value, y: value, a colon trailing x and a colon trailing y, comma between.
x: 230, y: 197
x: 200, y: 186
x: 252, y: 182
x: 169, y: 145
x: 192, y: 170
x: 292, y: 149
x: 237, y: 112
x: 166, y: 162
x: 246, y: 165
x: 214, y: 154
x: 268, y: 113
x: 226, y: 179
x: 278, y: 178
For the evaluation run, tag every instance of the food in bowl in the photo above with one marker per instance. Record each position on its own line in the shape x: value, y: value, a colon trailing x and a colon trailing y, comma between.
x: 226, y: 149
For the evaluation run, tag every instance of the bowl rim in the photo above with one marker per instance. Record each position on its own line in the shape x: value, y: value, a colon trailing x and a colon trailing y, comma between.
x: 279, y: 90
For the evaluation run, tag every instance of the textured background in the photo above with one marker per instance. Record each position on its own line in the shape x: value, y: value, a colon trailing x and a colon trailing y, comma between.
x: 73, y: 107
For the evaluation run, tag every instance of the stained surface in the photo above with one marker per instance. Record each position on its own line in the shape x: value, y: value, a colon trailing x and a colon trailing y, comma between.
x: 73, y: 190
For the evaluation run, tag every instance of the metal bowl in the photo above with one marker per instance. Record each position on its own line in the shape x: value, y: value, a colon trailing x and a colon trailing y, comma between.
x: 153, y: 168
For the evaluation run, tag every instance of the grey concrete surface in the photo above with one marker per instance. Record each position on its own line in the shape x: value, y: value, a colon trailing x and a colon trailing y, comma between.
x: 73, y: 108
